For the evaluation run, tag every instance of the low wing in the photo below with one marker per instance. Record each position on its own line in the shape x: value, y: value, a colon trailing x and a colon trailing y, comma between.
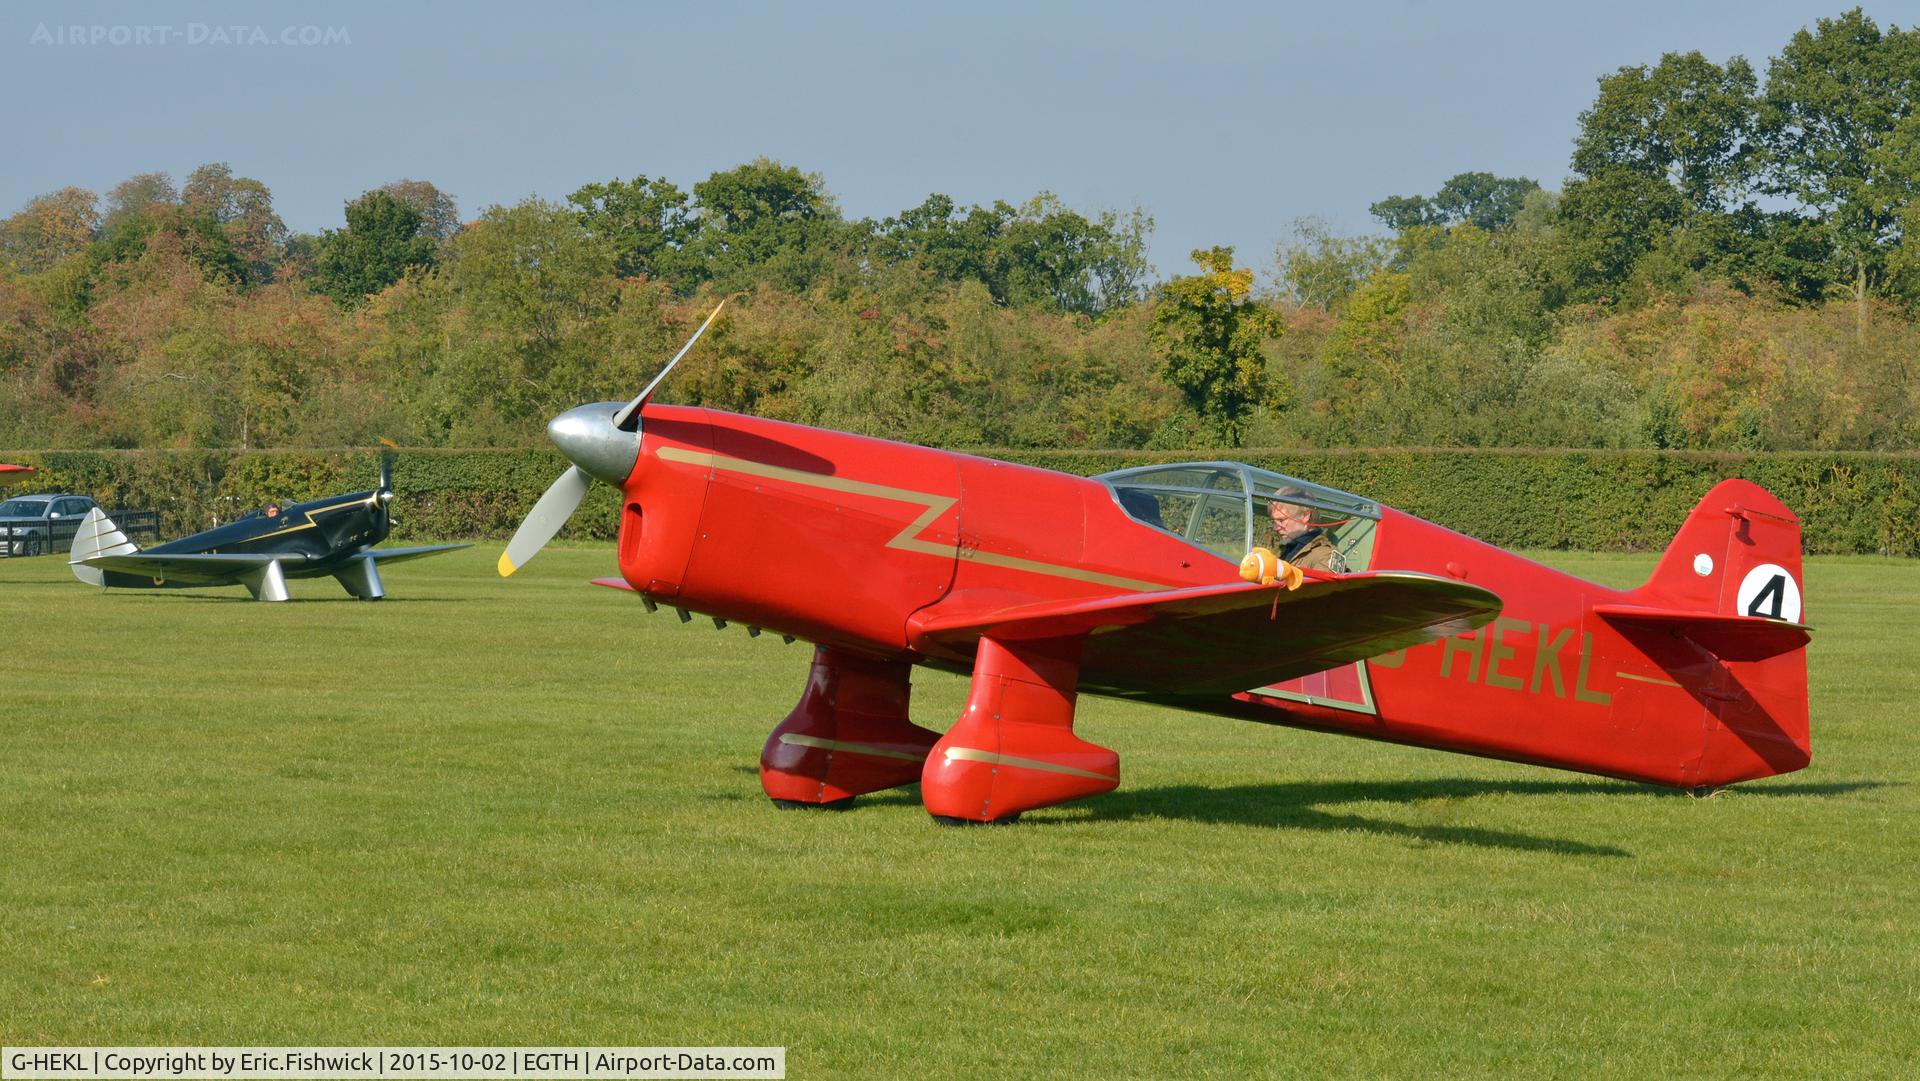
x: 395, y: 555
x: 1210, y: 640
x: 1729, y: 637
x: 190, y: 566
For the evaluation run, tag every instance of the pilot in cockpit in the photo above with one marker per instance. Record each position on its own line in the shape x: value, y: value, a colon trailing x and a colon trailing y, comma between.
x: 1297, y: 540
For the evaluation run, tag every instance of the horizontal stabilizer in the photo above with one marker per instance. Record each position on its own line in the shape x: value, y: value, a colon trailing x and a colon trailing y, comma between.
x: 1209, y: 640
x: 223, y: 568
x: 1729, y: 637
x: 395, y: 555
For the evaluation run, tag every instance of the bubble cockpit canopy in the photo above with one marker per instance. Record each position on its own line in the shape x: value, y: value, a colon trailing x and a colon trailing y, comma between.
x: 1222, y: 507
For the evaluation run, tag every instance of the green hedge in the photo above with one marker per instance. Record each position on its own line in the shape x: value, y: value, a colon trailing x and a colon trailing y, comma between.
x: 438, y: 493
x: 1625, y: 500
x: 1848, y: 503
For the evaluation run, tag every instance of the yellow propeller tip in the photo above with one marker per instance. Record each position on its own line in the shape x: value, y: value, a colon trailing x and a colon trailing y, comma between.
x: 505, y: 566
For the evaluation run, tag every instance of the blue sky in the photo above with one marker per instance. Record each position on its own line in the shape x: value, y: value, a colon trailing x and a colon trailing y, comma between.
x: 1224, y: 122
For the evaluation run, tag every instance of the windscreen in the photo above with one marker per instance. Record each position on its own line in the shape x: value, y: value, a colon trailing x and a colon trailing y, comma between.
x: 23, y: 508
x: 1204, y: 505
x: 1227, y: 507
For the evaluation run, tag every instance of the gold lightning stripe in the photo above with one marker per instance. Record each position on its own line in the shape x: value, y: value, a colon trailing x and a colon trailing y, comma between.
x: 968, y: 754
x: 1059, y: 570
x: 908, y: 539
x: 290, y: 529
x: 935, y: 505
x: 310, y: 523
x: 1647, y: 679
x: 794, y: 740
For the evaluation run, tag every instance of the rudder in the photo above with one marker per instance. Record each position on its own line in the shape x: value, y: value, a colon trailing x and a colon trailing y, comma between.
x: 1737, y: 554
x: 97, y: 536
x: 1738, y: 557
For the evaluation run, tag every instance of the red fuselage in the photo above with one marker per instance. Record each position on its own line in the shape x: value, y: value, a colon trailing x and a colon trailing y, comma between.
x: 852, y: 542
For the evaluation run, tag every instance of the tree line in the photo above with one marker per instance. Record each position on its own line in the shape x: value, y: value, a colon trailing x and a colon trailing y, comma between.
x: 1732, y: 263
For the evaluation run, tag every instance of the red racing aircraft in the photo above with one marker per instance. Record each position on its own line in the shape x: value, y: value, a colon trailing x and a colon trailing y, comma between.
x: 1045, y: 586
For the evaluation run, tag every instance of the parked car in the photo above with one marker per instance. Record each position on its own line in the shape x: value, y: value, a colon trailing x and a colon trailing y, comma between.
x: 32, y: 524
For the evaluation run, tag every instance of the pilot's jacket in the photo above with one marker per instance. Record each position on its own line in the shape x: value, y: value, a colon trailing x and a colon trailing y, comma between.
x: 1313, y: 551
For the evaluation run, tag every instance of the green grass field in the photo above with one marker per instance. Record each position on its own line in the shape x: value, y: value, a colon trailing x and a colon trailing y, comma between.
x: 527, y: 812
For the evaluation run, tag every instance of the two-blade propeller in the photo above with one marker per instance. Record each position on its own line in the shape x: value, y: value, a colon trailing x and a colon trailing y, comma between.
x: 556, y: 505
x: 383, y: 495
x: 602, y: 440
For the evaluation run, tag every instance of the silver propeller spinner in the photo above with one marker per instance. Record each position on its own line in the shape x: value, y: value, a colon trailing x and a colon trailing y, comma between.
x: 602, y: 440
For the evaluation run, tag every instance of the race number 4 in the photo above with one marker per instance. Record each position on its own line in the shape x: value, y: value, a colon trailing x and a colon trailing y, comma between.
x: 1769, y: 591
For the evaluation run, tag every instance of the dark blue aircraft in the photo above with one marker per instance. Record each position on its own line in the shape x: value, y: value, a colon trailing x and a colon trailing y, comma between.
x: 333, y: 536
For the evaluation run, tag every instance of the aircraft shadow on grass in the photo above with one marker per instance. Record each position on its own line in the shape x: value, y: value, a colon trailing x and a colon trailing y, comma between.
x: 1303, y: 805
x: 210, y: 598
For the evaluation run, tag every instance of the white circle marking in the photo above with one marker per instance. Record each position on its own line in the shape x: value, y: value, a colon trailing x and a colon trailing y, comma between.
x: 1768, y: 590
x: 1703, y: 564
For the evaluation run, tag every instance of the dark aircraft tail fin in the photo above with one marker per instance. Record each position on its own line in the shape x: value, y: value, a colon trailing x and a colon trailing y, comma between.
x: 98, y: 536
x: 1730, y: 583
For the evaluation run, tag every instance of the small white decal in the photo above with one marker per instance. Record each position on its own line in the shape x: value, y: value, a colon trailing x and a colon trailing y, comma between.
x: 1703, y: 564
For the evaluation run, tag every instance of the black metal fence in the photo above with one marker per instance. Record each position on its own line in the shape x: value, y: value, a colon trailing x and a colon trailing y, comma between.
x: 42, y: 538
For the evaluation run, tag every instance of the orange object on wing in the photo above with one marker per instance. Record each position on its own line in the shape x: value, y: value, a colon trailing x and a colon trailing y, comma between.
x: 1263, y: 566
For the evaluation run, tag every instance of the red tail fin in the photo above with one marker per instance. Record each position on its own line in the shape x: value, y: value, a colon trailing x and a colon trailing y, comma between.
x: 1738, y: 554
x: 1738, y: 557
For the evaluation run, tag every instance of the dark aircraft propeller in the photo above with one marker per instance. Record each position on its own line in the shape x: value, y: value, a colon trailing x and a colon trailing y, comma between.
x: 602, y: 440
x: 384, y: 493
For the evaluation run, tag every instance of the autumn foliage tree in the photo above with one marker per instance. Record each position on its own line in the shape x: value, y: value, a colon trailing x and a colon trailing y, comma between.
x: 1840, y: 120
x: 439, y: 213
x: 1735, y: 264
x: 49, y: 229
x: 650, y: 225
x: 1209, y: 332
x: 243, y: 209
x: 383, y: 238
